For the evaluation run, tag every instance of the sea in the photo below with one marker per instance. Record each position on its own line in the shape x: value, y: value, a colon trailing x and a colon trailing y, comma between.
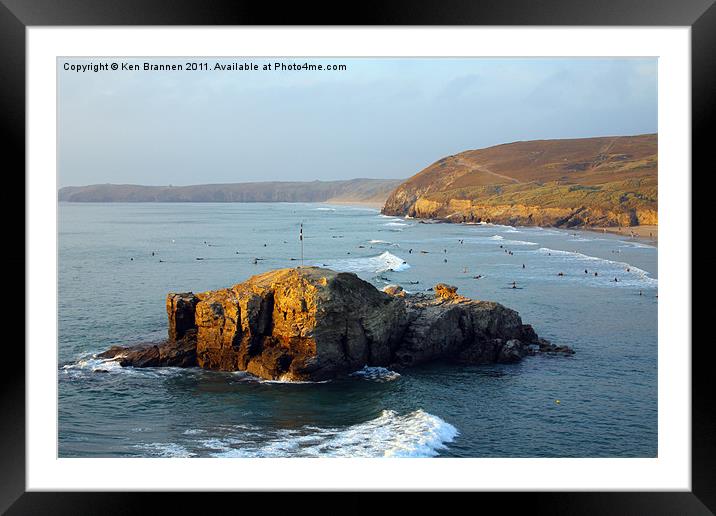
x: 594, y: 292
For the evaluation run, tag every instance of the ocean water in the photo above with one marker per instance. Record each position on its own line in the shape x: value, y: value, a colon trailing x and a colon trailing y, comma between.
x: 112, y: 290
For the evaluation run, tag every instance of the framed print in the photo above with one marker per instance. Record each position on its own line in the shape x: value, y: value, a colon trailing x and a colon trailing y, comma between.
x: 437, y: 249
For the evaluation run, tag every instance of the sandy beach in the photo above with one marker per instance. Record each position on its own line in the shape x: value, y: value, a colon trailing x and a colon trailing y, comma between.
x: 648, y: 233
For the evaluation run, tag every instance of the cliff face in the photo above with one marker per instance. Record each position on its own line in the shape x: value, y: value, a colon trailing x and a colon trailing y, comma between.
x: 314, y: 324
x: 564, y: 183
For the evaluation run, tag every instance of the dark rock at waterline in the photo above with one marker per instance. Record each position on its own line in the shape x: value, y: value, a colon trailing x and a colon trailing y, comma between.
x: 311, y: 323
x: 170, y: 353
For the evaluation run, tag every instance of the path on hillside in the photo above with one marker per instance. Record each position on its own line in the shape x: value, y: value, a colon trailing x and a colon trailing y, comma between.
x: 481, y: 168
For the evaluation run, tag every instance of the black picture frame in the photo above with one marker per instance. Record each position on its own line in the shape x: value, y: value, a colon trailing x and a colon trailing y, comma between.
x: 16, y: 15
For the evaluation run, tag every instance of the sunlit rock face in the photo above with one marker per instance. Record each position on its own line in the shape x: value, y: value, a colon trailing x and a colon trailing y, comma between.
x: 311, y: 323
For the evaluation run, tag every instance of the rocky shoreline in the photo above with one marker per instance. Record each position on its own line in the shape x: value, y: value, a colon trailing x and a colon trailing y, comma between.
x: 465, y: 210
x: 315, y: 324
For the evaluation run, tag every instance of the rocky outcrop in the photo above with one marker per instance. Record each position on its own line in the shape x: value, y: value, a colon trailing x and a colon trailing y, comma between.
x: 450, y: 326
x: 170, y: 353
x: 314, y: 324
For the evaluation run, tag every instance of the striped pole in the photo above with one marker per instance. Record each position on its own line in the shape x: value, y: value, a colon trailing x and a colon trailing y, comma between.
x: 300, y: 237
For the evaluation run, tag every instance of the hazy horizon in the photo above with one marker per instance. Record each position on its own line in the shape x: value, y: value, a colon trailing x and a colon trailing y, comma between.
x: 379, y: 119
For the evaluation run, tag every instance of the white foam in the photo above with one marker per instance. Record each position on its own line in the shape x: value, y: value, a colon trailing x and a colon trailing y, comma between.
x: 519, y: 242
x: 324, y: 209
x: 417, y: 434
x: 93, y: 364
x: 165, y: 449
x: 396, y: 224
x: 379, y: 242
x: 497, y: 238
x: 381, y: 263
x: 376, y: 374
x: 636, y: 245
x: 610, y: 268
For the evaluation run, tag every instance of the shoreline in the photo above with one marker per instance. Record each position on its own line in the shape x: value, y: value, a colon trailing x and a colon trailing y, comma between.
x: 646, y: 233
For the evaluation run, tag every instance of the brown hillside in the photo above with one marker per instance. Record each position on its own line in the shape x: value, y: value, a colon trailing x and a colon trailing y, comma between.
x: 590, y: 181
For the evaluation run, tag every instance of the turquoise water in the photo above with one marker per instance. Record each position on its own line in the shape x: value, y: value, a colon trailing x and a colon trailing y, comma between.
x: 112, y: 291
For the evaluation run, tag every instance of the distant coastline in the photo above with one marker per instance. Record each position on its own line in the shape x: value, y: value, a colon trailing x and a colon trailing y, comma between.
x: 361, y: 190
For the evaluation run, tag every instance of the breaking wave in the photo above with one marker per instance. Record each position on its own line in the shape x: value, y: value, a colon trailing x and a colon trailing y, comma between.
x: 382, y: 263
x: 497, y: 239
x: 92, y: 364
x: 629, y: 275
x: 84, y: 367
x: 417, y: 434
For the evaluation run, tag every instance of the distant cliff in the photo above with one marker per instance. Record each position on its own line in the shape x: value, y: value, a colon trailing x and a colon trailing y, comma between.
x: 356, y: 190
x: 609, y: 181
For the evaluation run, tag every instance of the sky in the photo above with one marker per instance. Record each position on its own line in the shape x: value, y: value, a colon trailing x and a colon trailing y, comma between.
x: 378, y: 118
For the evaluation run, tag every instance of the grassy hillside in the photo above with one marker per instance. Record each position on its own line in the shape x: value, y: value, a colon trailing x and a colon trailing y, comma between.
x: 590, y: 181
